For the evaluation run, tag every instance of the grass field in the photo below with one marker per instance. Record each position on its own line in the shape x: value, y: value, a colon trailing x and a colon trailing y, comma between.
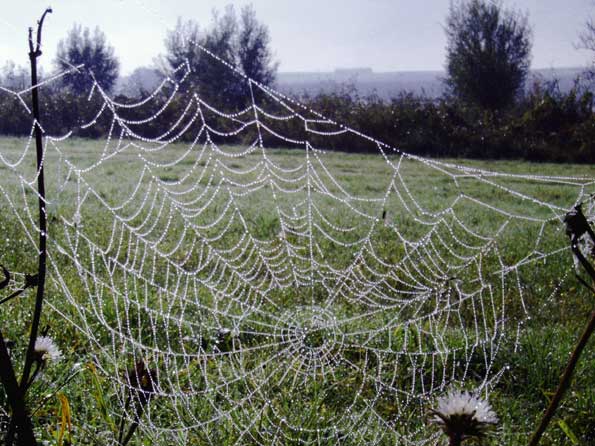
x: 512, y: 313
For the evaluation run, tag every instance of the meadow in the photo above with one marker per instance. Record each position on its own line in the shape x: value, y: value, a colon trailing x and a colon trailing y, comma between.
x: 513, y: 312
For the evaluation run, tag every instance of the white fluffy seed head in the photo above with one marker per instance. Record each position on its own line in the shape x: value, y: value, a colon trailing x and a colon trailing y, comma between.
x: 47, y: 350
x: 462, y: 403
x: 463, y: 415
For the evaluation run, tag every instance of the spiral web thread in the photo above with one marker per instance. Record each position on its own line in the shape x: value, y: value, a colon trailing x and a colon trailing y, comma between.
x: 275, y: 301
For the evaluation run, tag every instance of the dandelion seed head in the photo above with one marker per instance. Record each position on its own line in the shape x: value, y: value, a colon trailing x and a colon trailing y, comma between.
x: 47, y: 350
x: 462, y: 415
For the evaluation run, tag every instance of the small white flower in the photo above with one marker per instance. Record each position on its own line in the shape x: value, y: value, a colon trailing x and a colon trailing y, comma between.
x: 46, y: 349
x: 462, y: 415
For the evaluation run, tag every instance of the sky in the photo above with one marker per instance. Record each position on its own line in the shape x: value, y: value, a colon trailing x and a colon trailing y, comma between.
x: 306, y: 35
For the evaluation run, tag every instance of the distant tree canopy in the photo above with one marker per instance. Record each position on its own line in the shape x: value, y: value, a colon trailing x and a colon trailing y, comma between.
x: 243, y: 43
x: 15, y: 77
x: 254, y: 54
x: 488, y: 53
x: 92, y: 50
x: 587, y: 42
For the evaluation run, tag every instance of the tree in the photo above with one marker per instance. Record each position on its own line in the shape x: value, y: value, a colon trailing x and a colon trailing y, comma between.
x: 587, y: 42
x: 15, y: 77
x: 182, y: 47
x: 92, y: 50
x: 210, y: 54
x: 255, y: 57
x: 220, y: 84
x: 488, y: 53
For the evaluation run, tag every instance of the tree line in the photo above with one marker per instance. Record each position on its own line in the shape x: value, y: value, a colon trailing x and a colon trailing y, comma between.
x: 486, y: 112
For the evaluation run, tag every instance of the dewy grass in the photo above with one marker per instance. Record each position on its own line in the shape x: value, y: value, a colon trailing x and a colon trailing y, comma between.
x: 113, y: 333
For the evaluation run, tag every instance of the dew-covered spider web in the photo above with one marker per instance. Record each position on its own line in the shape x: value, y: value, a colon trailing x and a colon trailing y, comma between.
x: 280, y: 292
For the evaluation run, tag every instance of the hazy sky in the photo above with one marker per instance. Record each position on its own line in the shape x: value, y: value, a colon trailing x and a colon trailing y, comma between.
x: 307, y: 35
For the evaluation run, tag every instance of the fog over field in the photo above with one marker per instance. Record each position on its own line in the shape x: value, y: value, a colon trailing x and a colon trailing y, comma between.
x: 390, y: 84
x: 363, y: 81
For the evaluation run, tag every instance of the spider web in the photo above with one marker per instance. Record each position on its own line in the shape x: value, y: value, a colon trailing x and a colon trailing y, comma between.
x: 277, y: 300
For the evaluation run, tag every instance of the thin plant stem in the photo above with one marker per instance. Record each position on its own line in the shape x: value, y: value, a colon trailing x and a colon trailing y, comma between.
x: 577, y: 225
x: 564, y: 381
x: 130, y: 432
x: 30, y: 281
x: 21, y: 420
x: 16, y: 400
x: 34, y: 53
x: 123, y: 420
x: 12, y: 296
